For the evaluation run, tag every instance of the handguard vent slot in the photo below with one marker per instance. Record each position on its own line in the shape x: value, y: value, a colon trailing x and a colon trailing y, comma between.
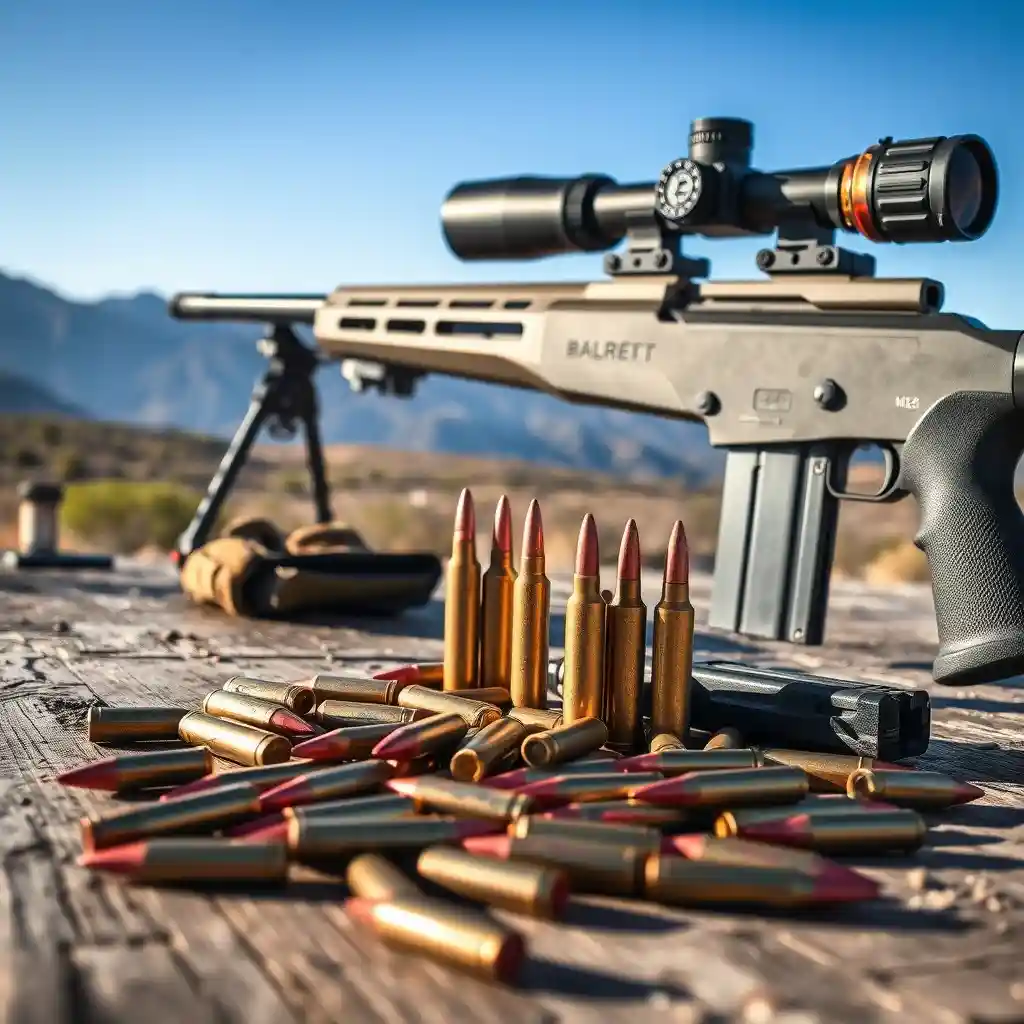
x: 367, y: 302
x: 407, y: 326
x: 479, y: 329
x: 471, y: 304
x: 418, y: 303
x: 518, y: 304
x: 356, y: 323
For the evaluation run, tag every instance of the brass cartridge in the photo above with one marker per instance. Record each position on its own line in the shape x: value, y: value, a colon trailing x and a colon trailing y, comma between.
x: 675, y: 762
x: 913, y: 789
x: 569, y: 789
x: 129, y: 772
x: 531, y: 613
x: 826, y: 773
x: 499, y: 696
x: 641, y: 836
x: 328, y: 784
x: 665, y: 741
x: 626, y: 812
x: 375, y: 878
x: 243, y: 744
x: 264, y: 714
x: 583, y: 667
x: 725, y: 739
x: 339, y: 714
x: 356, y: 689
x: 565, y: 742
x: 539, y: 719
x: 462, y: 602
x: 433, y: 736
x: 739, y: 787
x: 349, y: 743
x: 380, y: 805
x: 296, y: 696
x: 488, y: 750
x: 476, y: 713
x: 496, y: 605
x: 132, y: 725
x: 263, y: 777
x: 462, y: 799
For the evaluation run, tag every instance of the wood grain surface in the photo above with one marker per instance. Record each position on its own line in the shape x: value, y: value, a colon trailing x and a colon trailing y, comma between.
x: 945, y: 945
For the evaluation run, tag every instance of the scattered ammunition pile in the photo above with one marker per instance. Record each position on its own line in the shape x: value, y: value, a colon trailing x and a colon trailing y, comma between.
x: 439, y: 788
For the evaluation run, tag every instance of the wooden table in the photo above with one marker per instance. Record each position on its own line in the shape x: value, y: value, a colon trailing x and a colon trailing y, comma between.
x: 946, y: 945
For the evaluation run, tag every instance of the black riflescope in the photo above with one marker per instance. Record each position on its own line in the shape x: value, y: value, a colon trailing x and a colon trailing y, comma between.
x: 922, y: 190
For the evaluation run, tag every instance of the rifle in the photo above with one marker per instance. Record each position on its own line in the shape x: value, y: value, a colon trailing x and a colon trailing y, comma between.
x: 790, y: 373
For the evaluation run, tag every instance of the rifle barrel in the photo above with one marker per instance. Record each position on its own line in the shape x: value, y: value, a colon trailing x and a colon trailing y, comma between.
x: 274, y: 309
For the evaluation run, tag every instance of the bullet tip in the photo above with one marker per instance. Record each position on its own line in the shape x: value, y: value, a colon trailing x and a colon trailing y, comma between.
x: 98, y: 775
x: 629, y: 553
x: 292, y: 724
x: 965, y: 792
x: 119, y: 859
x: 502, y: 539
x: 402, y: 674
x: 791, y: 831
x: 288, y: 794
x: 844, y: 886
x: 533, y: 532
x: 465, y: 517
x: 588, y: 556
x: 497, y: 846
x: 321, y: 747
x: 677, y: 561
x: 360, y: 909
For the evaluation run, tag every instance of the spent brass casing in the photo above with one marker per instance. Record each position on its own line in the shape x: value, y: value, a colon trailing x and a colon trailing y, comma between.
x: 826, y: 773
x: 496, y: 621
x: 675, y: 880
x: 375, y: 878
x: 625, y: 656
x: 243, y: 744
x: 192, y: 860
x: 626, y: 812
x: 462, y: 617
x: 459, y: 937
x: 488, y: 750
x: 914, y: 789
x: 579, y: 789
x: 583, y: 667
x: 240, y: 707
x: 322, y: 838
x: 565, y: 742
x: 640, y: 836
x: 738, y: 787
x: 672, y: 661
x: 872, y: 831
x: 725, y: 739
x: 732, y: 823
x: 356, y: 689
x: 531, y: 612
x: 132, y: 725
x: 539, y: 719
x: 591, y: 866
x: 517, y: 886
x: 499, y: 696
x: 671, y: 763
x: 296, y: 696
x: 159, y: 768
x: 201, y: 813
x: 475, y: 713
x: 665, y: 741
x: 464, y: 800
x: 343, y: 713
x: 382, y: 805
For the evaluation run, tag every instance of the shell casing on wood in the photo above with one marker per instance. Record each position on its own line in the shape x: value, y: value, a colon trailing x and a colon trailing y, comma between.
x: 328, y: 784
x: 826, y: 773
x: 488, y: 750
x: 738, y: 787
x: 531, y: 615
x: 127, y: 772
x: 583, y: 667
x: 591, y: 866
x: 914, y: 789
x: 673, y: 762
x: 342, y: 713
x: 462, y: 617
x: 517, y: 886
x: 356, y: 689
x: 375, y: 878
x: 132, y: 725
x: 572, y: 789
x: 192, y: 814
x: 568, y: 741
x: 539, y: 719
x: 297, y: 696
x: 263, y: 777
x: 498, y: 586
x: 665, y: 741
x: 462, y: 799
x: 626, y: 812
x: 349, y: 743
x: 459, y: 937
x: 476, y: 713
x: 499, y: 696
x: 264, y: 714
x: 734, y: 822
x: 640, y: 836
x: 725, y: 739
x: 672, y: 661
x: 625, y: 658
x: 433, y: 736
x: 243, y: 744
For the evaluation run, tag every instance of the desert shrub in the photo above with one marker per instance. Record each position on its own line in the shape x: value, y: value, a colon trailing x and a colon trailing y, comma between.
x: 124, y: 516
x: 395, y: 525
x: 67, y: 465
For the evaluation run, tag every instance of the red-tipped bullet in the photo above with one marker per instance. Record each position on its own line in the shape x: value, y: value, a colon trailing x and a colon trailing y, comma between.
x: 588, y: 557
x: 677, y: 561
x: 263, y: 778
x: 190, y: 859
x: 520, y: 777
x: 424, y: 674
x: 439, y: 732
x: 498, y: 846
x: 347, y: 744
x: 533, y: 532
x: 915, y: 789
x: 730, y: 787
x: 870, y: 831
x: 125, y: 772
x: 465, y: 517
x: 291, y: 724
x: 629, y: 553
x: 118, y: 860
x: 328, y: 784
x: 502, y: 539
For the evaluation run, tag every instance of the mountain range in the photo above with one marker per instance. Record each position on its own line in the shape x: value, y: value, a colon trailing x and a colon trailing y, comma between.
x: 125, y: 359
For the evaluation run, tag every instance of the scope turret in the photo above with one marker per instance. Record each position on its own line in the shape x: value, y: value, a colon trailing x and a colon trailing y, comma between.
x: 920, y: 190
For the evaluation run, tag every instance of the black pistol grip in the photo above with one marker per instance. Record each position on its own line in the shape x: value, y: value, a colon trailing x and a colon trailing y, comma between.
x: 959, y: 462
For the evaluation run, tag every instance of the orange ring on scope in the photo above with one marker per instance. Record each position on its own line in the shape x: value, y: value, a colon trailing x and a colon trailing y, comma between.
x: 860, y: 201
x: 846, y: 196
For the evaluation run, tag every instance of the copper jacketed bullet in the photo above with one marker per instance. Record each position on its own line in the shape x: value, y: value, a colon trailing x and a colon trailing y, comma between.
x: 132, y: 725
x: 164, y: 861
x: 487, y: 750
x: 496, y: 603
x: 679, y: 762
x: 531, y: 612
x: 826, y: 773
x: 539, y: 719
x: 738, y: 787
x: 462, y: 601
x: 626, y: 648
x: 878, y: 831
x: 665, y: 741
x: 327, y: 784
x: 374, y: 877
x: 296, y: 696
x: 476, y: 712
x: 436, y: 735
x: 921, y: 790
x: 513, y: 885
x: 458, y: 937
x: 591, y: 866
x: 462, y: 799
x: 571, y: 789
x: 734, y: 823
x: 583, y: 667
x: 725, y: 739
x: 243, y: 744
x: 351, y: 743
x: 641, y: 836
x: 141, y: 771
x: 263, y: 777
x: 676, y: 880
x: 264, y: 714
x: 626, y: 812
x: 520, y: 777
x: 314, y: 838
x: 356, y: 689
x: 672, y: 658
x: 196, y: 814
x: 423, y: 674
x: 564, y: 743
x: 337, y: 714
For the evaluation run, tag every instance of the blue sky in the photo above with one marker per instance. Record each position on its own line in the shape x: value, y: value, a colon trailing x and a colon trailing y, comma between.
x: 292, y: 146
